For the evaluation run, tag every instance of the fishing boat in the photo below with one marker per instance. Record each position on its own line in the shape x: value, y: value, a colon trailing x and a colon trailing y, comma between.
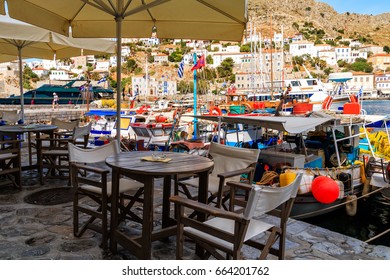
x: 73, y: 92
x: 319, y: 145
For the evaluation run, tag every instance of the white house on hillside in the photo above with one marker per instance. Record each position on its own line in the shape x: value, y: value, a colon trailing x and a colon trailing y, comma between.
x: 221, y: 56
x: 154, y: 87
x: 329, y: 56
x: 361, y: 79
x: 40, y: 71
x: 160, y: 58
x: 60, y: 74
x: 343, y: 53
x: 102, y: 65
x: 302, y: 47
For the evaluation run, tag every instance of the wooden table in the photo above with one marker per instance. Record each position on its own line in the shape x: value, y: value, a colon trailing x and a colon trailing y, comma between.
x: 13, y: 131
x: 131, y: 165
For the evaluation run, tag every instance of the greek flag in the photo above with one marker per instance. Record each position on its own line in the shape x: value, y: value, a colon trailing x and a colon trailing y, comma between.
x: 180, y: 70
x: 102, y: 80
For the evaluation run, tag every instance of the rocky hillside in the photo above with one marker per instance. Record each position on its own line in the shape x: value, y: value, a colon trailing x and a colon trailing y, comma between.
x: 284, y: 13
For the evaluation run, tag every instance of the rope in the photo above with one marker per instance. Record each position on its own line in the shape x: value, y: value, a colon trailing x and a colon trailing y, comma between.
x: 267, y: 178
x: 377, y: 236
x: 341, y: 204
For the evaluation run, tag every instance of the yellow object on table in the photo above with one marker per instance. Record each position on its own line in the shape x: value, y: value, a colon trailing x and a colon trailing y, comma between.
x: 156, y: 159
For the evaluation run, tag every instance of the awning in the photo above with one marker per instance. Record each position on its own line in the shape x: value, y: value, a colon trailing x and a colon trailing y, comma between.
x: 287, y: 124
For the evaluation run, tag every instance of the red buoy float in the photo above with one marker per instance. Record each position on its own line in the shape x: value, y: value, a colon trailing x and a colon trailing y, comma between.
x: 325, y: 189
x: 215, y: 111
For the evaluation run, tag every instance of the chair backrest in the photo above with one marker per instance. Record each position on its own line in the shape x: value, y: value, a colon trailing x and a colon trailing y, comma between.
x: 66, y: 125
x: 227, y: 158
x: 81, y: 131
x: 263, y: 199
x: 11, y: 117
x: 95, y: 155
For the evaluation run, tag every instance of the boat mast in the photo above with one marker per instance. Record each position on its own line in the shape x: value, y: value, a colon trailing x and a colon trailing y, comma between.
x: 272, y: 68
x: 282, y: 56
x: 146, y: 78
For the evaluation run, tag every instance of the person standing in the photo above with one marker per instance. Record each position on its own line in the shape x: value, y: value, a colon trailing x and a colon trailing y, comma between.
x: 55, y: 101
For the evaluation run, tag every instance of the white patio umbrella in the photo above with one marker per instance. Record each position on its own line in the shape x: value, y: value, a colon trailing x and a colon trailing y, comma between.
x: 25, y: 40
x: 187, y: 19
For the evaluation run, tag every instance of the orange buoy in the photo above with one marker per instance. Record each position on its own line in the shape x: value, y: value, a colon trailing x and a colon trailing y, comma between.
x: 326, y: 103
x: 215, y: 111
x: 353, y: 98
x: 325, y: 189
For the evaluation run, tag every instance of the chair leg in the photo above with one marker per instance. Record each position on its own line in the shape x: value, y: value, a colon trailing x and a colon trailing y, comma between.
x: 180, y: 234
x: 270, y: 241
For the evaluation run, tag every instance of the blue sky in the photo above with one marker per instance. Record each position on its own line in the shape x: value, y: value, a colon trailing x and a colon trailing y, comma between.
x: 368, y: 7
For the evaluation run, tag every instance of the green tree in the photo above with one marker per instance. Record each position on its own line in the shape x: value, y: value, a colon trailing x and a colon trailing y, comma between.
x: 183, y: 87
x: 361, y: 65
x: 245, y: 48
x: 130, y: 65
x: 386, y: 49
x: 209, y: 59
x: 226, y: 68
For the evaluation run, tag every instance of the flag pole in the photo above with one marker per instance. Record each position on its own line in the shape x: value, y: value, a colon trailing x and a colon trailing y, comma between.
x: 195, y: 99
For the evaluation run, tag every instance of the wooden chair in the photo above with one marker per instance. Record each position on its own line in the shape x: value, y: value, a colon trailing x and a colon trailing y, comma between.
x: 227, y: 231
x: 10, y: 117
x: 92, y: 181
x: 10, y: 161
x: 54, y: 156
x: 64, y: 127
x: 80, y: 135
x: 229, y: 164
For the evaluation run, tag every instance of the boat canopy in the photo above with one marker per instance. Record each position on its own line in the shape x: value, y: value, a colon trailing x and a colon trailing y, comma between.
x: 341, y: 77
x: 287, y: 124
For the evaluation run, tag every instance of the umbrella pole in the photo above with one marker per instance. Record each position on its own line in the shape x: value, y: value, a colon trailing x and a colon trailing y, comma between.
x: 118, y: 21
x: 21, y: 85
x: 195, y: 136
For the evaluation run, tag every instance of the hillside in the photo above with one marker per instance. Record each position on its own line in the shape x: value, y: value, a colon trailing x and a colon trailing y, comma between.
x: 322, y: 16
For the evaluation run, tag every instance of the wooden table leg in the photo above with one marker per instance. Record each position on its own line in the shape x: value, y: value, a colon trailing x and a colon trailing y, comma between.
x: 114, y: 210
x: 166, y: 209
x: 202, y: 197
x: 147, y: 226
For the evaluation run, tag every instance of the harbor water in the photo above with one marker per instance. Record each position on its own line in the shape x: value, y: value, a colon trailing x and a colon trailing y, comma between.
x: 373, y: 215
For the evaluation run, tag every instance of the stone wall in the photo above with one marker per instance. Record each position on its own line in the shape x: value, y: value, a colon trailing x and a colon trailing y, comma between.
x: 44, y: 113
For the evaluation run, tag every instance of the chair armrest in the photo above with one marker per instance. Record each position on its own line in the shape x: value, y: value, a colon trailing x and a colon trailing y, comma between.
x: 239, y: 185
x: 204, y: 208
x: 90, y: 168
x: 10, y: 142
x: 236, y: 172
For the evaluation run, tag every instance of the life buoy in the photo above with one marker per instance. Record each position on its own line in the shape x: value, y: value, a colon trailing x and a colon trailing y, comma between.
x: 215, y: 111
x: 326, y: 103
x: 353, y: 98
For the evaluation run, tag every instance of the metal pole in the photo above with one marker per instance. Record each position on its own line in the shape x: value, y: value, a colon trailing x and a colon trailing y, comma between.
x: 195, y: 103
x: 21, y: 85
x: 118, y: 21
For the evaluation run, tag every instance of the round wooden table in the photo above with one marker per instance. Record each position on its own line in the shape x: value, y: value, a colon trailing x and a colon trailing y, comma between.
x: 13, y: 131
x: 133, y: 165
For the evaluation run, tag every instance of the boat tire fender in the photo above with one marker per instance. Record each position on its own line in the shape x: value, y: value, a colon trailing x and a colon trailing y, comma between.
x: 351, y: 206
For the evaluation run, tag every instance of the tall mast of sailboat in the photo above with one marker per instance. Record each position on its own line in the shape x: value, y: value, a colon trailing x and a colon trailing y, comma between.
x: 252, y: 59
x: 261, y: 60
x: 282, y: 57
x: 272, y: 68
x: 147, y: 81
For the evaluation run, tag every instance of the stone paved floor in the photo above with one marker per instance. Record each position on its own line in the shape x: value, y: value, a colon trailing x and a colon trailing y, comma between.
x: 29, y: 231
